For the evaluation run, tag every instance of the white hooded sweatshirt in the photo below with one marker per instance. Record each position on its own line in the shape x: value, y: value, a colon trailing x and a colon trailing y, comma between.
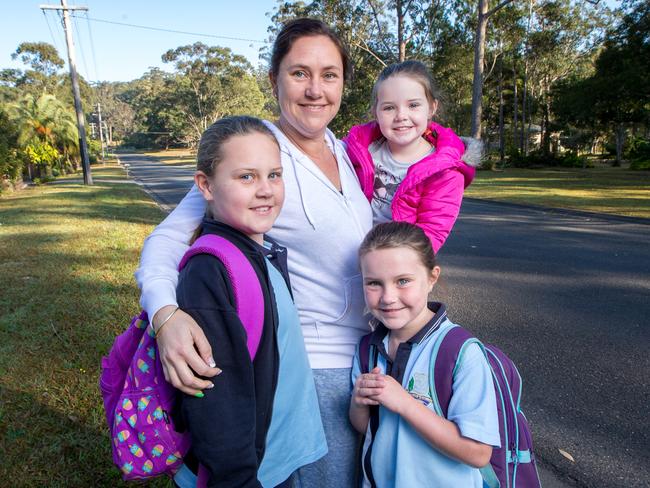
x: 322, y: 229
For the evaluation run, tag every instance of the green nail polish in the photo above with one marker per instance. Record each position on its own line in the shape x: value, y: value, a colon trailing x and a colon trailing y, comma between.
x: 199, y: 394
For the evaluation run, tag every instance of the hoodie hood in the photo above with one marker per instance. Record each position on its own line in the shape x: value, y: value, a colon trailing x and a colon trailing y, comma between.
x: 473, y: 155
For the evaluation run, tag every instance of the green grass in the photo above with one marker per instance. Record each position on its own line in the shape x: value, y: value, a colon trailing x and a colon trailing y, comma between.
x: 616, y: 191
x: 174, y: 157
x: 67, y: 256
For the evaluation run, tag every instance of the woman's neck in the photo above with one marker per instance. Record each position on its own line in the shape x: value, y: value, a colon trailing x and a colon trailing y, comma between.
x: 414, y: 151
x: 313, y: 147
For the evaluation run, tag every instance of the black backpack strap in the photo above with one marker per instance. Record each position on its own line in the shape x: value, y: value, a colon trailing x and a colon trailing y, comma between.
x: 365, y: 352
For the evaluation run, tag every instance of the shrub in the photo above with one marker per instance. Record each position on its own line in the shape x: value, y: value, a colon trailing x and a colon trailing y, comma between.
x: 11, y: 163
x: 640, y: 165
x: 94, y: 150
x: 572, y: 160
x: 638, y: 149
x: 533, y: 160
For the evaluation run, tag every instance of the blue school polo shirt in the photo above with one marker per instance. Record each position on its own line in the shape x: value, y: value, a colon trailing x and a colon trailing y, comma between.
x: 295, y: 437
x: 399, y: 457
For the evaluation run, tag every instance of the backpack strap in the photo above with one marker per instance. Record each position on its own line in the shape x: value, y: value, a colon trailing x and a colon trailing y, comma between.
x: 445, y: 356
x: 365, y: 356
x: 249, y: 300
x: 364, y: 353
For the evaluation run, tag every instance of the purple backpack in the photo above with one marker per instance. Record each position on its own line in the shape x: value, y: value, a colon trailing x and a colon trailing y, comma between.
x: 138, y: 399
x: 513, y: 464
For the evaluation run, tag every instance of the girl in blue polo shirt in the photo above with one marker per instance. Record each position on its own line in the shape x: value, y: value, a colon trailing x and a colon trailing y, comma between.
x: 407, y: 443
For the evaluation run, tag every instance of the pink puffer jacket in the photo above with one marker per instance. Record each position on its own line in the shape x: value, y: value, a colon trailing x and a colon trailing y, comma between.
x: 432, y: 191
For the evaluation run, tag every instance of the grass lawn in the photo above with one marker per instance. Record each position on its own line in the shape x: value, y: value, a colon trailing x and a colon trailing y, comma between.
x: 608, y: 190
x: 174, y: 157
x: 67, y: 256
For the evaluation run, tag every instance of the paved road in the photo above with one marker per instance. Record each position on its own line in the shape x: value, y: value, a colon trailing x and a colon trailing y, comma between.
x: 567, y: 296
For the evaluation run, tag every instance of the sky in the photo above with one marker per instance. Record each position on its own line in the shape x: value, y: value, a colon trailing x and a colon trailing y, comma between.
x: 111, y: 52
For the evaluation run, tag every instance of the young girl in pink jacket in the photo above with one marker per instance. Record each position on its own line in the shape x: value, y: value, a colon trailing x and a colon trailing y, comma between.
x: 410, y: 168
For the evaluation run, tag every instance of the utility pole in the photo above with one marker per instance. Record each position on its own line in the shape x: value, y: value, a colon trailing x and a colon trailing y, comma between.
x: 101, y: 130
x: 83, y: 148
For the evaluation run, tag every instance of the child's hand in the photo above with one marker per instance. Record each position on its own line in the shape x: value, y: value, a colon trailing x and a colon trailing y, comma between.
x: 366, y: 386
x: 392, y: 395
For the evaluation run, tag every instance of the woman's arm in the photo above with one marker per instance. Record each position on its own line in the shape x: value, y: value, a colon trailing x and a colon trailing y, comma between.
x: 222, y: 424
x: 157, y: 276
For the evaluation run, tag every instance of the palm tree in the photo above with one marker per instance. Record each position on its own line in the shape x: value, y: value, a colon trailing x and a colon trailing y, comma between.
x: 46, y: 120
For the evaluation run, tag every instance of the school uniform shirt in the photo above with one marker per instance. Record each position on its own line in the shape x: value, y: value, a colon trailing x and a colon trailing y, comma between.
x: 261, y: 420
x: 397, y: 456
x: 321, y: 227
x: 296, y: 436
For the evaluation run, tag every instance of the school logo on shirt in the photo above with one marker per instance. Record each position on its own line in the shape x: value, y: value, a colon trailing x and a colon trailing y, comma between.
x: 418, y: 387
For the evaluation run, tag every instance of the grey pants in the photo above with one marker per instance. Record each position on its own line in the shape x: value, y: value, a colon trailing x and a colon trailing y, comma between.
x: 337, y: 468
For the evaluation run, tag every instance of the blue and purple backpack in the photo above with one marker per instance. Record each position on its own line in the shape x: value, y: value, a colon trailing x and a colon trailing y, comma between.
x: 137, y: 398
x: 513, y: 464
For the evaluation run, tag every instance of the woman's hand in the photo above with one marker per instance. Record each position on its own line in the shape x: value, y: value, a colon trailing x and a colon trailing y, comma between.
x: 184, y: 351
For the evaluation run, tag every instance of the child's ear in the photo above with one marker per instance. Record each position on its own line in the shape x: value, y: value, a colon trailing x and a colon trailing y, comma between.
x: 433, y: 278
x: 433, y: 108
x: 203, y: 184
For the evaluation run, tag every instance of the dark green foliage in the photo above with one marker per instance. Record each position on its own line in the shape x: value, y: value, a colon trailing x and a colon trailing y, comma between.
x: 538, y: 159
x: 639, y: 152
x: 11, y: 164
x: 640, y: 165
x: 638, y: 148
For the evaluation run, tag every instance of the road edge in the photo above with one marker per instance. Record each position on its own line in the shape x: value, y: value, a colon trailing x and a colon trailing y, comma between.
x: 565, y: 211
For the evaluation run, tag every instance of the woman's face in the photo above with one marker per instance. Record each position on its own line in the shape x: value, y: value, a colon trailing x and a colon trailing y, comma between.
x: 309, y: 85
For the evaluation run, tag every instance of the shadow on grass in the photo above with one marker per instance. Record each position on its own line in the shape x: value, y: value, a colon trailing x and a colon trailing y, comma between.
x: 108, y: 201
x: 42, y: 446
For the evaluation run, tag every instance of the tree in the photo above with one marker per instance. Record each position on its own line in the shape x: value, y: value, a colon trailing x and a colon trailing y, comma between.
x: 157, y: 121
x: 483, y: 15
x: 45, y: 63
x: 211, y: 83
x: 617, y: 95
x: 117, y: 115
x: 44, y: 123
x: 10, y: 161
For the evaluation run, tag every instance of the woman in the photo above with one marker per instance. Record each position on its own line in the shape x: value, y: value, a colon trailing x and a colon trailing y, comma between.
x: 324, y: 219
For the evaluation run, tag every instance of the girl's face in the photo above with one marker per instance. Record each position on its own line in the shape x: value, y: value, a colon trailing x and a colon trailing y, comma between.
x: 396, y: 285
x: 403, y: 111
x: 309, y: 85
x: 246, y: 190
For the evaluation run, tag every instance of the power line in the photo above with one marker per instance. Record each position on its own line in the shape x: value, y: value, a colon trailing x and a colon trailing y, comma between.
x: 92, y: 47
x: 160, y: 29
x: 83, y: 147
x: 81, y: 49
x: 56, y: 44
